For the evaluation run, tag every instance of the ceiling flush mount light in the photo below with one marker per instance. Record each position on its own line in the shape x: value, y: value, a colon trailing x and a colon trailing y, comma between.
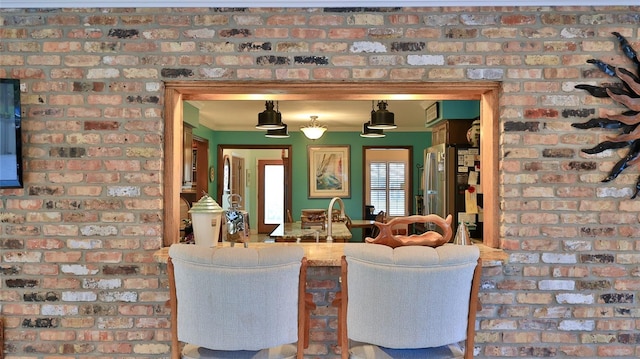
x: 278, y: 133
x: 313, y: 130
x: 269, y: 119
x: 381, y: 119
x: 369, y: 132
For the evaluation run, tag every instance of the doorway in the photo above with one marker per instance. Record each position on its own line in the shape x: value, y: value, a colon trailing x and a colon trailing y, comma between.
x: 387, y: 177
x: 387, y: 174
x: 238, y: 182
x: 251, y: 155
x: 271, y: 196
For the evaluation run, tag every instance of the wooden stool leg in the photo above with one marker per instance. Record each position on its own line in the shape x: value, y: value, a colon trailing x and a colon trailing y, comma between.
x: 309, y: 306
x: 1, y: 338
x: 337, y: 302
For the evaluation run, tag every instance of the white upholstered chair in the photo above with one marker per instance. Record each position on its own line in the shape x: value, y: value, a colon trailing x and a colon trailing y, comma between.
x: 237, y: 302
x: 408, y: 302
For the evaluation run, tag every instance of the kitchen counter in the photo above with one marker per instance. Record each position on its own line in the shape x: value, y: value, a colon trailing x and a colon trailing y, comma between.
x: 329, y: 254
x: 290, y: 232
x: 362, y: 223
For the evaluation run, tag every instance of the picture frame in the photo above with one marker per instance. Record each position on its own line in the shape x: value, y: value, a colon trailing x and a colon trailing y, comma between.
x: 329, y: 169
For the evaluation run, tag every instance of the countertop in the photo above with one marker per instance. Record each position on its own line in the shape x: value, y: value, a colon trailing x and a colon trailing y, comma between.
x: 329, y: 254
x: 290, y: 232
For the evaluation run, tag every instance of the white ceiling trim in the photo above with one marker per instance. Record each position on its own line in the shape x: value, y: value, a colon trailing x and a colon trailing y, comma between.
x: 7, y: 4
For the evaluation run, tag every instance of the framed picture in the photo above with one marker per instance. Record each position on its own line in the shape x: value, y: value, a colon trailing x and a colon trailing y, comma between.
x: 329, y: 168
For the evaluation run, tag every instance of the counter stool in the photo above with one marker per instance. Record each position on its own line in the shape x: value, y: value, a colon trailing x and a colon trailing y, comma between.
x: 408, y: 302
x: 233, y: 302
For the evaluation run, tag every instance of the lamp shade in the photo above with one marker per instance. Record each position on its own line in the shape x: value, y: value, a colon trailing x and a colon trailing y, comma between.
x: 369, y: 132
x: 269, y: 119
x: 313, y: 130
x: 278, y: 133
x: 382, y: 119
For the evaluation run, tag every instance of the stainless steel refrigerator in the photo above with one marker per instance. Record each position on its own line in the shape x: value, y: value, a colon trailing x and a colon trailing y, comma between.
x: 451, y: 185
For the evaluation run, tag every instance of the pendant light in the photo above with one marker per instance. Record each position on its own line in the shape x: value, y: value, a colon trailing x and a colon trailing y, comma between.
x: 278, y: 133
x: 381, y: 119
x: 369, y: 132
x: 269, y: 119
x: 313, y: 130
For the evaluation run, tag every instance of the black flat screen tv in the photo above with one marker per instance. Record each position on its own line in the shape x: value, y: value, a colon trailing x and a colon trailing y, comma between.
x: 10, y: 134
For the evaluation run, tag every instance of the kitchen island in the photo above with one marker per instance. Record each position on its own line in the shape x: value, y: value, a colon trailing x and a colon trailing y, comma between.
x: 329, y: 254
x: 292, y: 231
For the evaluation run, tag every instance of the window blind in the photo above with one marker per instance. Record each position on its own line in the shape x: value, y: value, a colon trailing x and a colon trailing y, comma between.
x: 387, y: 187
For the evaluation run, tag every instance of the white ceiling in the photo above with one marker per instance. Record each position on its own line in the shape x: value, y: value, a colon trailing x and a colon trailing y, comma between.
x: 336, y: 115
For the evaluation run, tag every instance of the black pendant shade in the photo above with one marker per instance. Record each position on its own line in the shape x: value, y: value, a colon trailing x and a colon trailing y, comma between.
x: 382, y: 119
x: 269, y: 119
x: 278, y: 133
x: 369, y: 132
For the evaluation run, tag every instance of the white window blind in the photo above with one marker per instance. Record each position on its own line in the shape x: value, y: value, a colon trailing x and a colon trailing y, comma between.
x: 388, y: 187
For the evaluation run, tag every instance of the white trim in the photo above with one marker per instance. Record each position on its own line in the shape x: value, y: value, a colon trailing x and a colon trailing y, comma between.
x: 30, y: 4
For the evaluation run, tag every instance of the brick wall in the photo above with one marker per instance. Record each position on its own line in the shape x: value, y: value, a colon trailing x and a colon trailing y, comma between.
x: 78, y: 278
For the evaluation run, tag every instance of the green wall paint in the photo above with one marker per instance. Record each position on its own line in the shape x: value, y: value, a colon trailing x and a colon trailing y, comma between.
x: 459, y: 109
x: 190, y: 114
x: 354, y: 204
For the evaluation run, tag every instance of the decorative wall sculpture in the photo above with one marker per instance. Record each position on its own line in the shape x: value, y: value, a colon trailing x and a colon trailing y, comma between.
x: 626, y: 93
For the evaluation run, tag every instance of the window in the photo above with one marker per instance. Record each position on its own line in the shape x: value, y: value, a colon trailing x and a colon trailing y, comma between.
x: 387, y: 181
x: 388, y: 188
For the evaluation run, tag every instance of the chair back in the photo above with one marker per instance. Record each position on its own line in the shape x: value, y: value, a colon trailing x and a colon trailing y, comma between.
x: 381, y: 217
x: 184, y: 211
x: 233, y: 298
x: 409, y: 296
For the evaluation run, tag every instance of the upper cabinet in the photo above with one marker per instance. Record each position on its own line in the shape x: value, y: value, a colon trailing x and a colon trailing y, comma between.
x: 451, y: 132
x: 195, y: 156
x: 195, y: 172
x: 451, y: 120
x: 187, y: 157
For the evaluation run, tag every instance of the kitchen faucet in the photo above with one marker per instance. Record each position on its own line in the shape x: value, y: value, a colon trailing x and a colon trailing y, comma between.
x: 330, y: 214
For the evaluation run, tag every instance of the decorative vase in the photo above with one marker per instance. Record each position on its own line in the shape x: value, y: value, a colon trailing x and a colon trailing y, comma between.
x: 462, y: 235
x: 473, y: 134
x: 206, y: 216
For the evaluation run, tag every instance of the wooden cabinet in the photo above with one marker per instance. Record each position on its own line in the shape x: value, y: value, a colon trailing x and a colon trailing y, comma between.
x: 439, y: 133
x: 187, y: 157
x: 452, y: 132
x: 195, y: 160
x: 200, y: 168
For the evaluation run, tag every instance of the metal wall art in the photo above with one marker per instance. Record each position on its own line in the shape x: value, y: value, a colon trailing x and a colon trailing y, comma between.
x: 626, y: 93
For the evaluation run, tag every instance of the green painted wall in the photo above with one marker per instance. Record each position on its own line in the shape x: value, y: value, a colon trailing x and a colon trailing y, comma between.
x: 459, y: 109
x: 354, y: 204
x: 190, y: 114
